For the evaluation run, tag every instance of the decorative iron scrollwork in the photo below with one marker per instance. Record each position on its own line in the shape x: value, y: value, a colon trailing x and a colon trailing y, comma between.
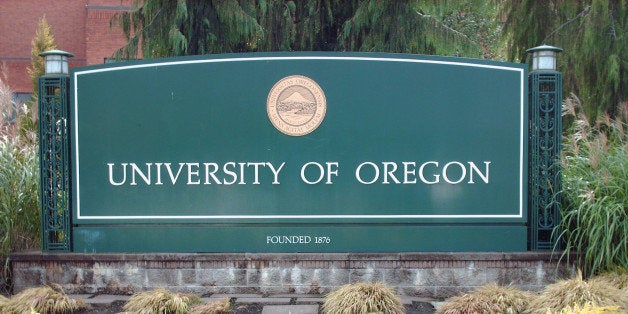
x: 544, y: 168
x: 54, y: 152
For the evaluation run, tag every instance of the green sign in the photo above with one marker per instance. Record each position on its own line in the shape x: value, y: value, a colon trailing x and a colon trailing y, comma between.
x: 328, y: 152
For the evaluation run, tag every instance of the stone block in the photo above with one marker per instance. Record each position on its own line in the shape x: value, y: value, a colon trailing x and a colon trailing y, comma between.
x: 518, y: 276
x: 24, y: 278
x: 366, y: 275
x: 451, y: 291
x: 287, y: 309
x: 439, y: 277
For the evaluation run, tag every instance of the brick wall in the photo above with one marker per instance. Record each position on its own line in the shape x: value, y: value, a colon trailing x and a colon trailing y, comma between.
x: 79, y: 26
x: 101, y: 39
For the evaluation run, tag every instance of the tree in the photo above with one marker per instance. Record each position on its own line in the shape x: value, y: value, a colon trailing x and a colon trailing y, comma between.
x: 163, y: 28
x: 188, y: 27
x: 459, y: 28
x: 44, y: 40
x: 593, y: 36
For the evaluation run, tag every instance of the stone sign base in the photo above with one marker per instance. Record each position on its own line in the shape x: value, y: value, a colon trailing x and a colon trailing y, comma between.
x: 433, y: 275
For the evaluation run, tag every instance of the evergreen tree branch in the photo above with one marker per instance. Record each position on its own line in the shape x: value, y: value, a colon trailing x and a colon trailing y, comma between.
x: 444, y: 26
x: 584, y: 13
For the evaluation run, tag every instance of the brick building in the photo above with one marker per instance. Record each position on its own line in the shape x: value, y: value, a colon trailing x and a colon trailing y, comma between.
x: 79, y: 26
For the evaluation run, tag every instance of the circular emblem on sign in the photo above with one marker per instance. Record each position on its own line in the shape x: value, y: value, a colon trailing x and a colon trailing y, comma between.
x: 296, y: 105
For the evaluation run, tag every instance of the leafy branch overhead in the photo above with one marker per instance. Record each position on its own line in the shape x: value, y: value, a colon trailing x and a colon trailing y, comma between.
x: 160, y: 28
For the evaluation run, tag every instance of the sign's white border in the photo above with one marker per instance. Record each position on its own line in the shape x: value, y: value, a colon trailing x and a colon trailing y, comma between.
x: 522, y: 158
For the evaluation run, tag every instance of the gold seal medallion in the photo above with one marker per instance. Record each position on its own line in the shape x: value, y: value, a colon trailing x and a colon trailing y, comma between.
x: 296, y: 105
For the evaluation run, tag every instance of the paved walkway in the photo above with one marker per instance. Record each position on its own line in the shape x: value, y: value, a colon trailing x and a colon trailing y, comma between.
x: 252, y: 303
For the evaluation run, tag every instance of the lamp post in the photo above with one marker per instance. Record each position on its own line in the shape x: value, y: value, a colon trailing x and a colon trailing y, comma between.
x: 544, y: 57
x: 545, y: 91
x: 54, y: 152
x: 56, y: 62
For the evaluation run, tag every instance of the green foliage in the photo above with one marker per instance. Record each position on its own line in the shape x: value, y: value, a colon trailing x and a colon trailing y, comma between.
x: 42, y: 300
x: 163, y: 28
x: 161, y: 301
x: 362, y: 298
x: 593, y: 36
x: 19, y: 183
x: 488, y: 299
x: 19, y: 204
x: 576, y: 291
x: 595, y: 191
x: 460, y: 28
x: 170, y: 28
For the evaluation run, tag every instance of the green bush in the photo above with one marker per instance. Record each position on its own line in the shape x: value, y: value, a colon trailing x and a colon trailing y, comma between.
x: 595, y: 191
x: 19, y: 200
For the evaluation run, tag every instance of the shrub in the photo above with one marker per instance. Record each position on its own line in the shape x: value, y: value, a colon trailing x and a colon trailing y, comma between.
x: 42, y: 300
x: 488, y: 299
x: 161, y: 301
x: 595, y: 191
x: 363, y: 298
x: 216, y: 307
x: 576, y: 291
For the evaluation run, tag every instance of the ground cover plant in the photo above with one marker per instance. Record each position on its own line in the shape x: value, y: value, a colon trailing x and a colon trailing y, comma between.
x: 363, y: 298
x: 595, y: 189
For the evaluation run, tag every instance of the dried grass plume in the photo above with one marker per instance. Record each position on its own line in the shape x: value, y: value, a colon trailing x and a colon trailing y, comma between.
x: 361, y: 298
x: 488, y: 299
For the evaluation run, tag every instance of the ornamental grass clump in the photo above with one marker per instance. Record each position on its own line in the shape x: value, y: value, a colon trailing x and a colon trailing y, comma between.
x: 161, y: 301
x: 216, y: 307
x: 19, y: 183
x: 577, y: 291
x: 617, y: 278
x: 488, y: 299
x: 590, y: 308
x: 595, y: 190
x: 361, y: 298
x: 42, y: 300
x: 3, y: 302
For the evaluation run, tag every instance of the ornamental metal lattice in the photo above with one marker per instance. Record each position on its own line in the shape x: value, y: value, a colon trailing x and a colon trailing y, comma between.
x: 544, y: 160
x: 54, y: 152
